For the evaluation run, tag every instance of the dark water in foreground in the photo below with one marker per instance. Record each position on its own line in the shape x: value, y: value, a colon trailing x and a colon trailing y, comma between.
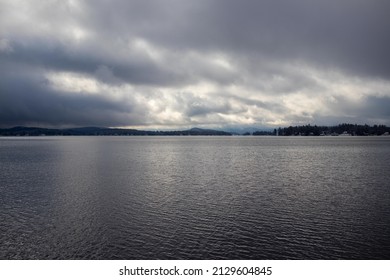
x: 195, y: 198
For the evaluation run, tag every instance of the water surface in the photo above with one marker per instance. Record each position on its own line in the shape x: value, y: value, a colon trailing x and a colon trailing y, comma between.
x: 195, y: 198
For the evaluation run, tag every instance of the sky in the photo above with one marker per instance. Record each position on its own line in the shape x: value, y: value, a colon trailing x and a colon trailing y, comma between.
x: 169, y: 64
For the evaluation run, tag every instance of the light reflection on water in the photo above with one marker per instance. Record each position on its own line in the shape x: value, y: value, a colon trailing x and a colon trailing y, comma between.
x: 195, y: 198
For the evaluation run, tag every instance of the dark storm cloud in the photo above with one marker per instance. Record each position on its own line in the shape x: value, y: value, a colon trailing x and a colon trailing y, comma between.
x: 149, y: 62
x: 349, y: 34
x: 54, y: 55
x: 28, y: 100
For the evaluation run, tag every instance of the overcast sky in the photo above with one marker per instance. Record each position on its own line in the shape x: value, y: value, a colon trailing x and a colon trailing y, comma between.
x: 185, y: 63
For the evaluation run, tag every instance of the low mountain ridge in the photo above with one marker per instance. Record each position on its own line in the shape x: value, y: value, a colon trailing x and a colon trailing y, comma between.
x: 104, y: 131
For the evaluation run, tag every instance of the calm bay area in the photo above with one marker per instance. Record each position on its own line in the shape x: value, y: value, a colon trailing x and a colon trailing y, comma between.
x: 194, y: 197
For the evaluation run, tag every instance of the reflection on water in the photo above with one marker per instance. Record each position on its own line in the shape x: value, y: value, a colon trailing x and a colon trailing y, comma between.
x: 195, y: 198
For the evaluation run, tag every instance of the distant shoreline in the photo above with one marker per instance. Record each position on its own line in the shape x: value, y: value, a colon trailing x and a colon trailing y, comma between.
x: 306, y: 130
x: 102, y: 131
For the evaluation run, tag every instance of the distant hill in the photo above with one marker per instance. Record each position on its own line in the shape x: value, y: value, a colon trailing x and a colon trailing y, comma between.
x: 103, y: 131
x: 201, y: 131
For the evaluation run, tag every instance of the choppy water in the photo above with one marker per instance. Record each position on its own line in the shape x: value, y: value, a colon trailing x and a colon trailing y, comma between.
x: 195, y: 198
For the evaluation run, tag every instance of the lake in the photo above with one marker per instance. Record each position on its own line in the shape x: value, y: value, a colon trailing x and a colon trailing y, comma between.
x: 195, y: 197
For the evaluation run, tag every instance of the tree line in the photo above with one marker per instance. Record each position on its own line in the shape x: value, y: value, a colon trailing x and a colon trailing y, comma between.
x: 341, y: 129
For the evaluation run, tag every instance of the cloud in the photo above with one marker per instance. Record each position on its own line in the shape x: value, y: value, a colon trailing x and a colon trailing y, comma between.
x: 182, y: 63
x: 29, y: 99
x: 5, y: 46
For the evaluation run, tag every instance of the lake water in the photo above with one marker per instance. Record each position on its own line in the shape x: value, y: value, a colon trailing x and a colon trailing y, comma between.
x: 195, y: 198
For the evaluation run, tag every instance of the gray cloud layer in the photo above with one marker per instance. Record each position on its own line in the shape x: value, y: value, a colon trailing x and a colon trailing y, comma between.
x: 181, y: 63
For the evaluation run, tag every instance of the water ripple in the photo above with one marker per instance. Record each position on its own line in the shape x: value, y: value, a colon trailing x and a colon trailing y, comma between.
x: 195, y: 198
